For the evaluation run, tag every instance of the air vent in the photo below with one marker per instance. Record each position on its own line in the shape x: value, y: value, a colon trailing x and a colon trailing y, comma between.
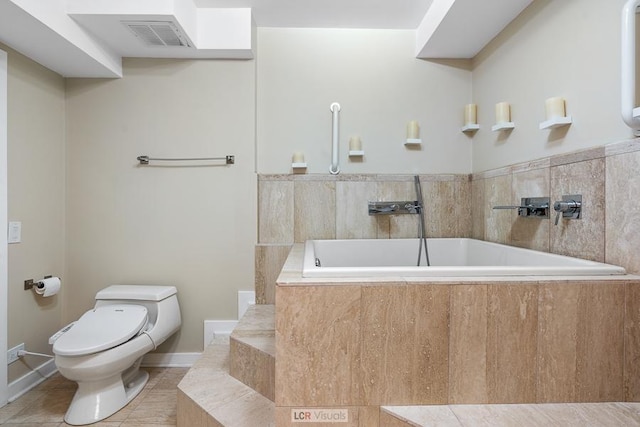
x: 159, y: 33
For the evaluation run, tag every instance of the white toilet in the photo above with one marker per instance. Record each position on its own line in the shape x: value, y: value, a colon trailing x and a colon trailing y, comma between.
x: 103, y: 349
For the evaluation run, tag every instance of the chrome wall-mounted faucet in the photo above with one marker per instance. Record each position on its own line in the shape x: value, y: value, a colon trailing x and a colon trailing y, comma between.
x: 394, y: 208
x: 570, y: 207
x: 531, y: 207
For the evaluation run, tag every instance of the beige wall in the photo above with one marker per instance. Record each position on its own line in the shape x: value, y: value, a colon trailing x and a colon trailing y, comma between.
x: 554, y: 48
x: 189, y: 226
x: 36, y: 195
x: 380, y: 85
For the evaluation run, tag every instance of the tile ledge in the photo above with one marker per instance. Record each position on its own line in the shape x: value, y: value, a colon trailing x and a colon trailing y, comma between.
x: 591, y: 153
x: 622, y: 147
x: 499, y: 414
x: 209, y: 369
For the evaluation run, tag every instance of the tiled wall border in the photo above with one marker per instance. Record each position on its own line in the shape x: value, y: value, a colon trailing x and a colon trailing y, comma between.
x: 613, y: 149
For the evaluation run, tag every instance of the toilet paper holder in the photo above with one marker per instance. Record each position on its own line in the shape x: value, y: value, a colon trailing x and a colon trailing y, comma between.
x: 29, y: 283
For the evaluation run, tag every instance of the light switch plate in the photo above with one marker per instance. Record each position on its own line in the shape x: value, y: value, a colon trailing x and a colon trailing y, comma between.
x: 14, y: 234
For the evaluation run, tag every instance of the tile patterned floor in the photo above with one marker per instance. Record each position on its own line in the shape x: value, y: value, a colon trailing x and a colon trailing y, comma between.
x: 45, y: 405
x: 603, y: 414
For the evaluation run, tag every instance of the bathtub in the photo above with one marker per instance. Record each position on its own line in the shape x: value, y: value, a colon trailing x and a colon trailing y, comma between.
x: 448, y: 258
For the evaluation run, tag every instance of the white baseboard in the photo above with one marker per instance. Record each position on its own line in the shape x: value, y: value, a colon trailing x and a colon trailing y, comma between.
x: 170, y: 360
x: 245, y: 299
x: 217, y: 328
x: 31, y: 379
x: 223, y: 328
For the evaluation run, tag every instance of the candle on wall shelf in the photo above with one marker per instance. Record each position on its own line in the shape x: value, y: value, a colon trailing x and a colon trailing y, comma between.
x: 470, y: 114
x: 503, y: 117
x: 554, y: 107
x: 555, y: 113
x: 355, y: 146
x: 503, y: 112
x: 297, y: 160
x: 413, y: 133
x: 470, y: 118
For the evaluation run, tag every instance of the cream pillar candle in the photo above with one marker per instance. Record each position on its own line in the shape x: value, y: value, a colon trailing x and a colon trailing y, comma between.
x: 555, y: 107
x: 413, y: 130
x: 297, y: 157
x: 470, y: 114
x: 355, y: 144
x: 503, y: 112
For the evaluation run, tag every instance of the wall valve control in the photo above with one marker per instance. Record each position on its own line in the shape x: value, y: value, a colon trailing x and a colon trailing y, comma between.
x: 570, y: 207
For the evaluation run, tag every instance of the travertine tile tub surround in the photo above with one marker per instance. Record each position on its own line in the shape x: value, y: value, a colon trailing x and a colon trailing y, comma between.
x: 358, y: 344
x: 461, y: 206
x: 295, y: 208
x: 607, y: 178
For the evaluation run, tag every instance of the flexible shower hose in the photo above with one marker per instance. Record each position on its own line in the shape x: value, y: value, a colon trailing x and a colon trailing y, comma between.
x: 423, y: 237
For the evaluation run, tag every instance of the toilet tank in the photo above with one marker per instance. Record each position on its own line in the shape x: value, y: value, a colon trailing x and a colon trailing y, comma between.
x: 161, y: 303
x: 136, y: 292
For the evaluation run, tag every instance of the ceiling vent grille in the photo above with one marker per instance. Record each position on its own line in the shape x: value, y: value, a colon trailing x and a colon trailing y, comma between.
x: 158, y: 33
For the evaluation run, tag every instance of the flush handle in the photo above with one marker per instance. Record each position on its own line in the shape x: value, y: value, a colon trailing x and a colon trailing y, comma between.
x: 569, y: 207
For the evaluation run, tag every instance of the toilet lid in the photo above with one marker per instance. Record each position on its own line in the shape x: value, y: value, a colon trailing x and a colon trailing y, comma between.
x: 101, y: 328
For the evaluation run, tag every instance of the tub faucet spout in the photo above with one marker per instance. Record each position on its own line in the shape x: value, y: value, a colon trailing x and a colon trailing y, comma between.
x: 391, y: 208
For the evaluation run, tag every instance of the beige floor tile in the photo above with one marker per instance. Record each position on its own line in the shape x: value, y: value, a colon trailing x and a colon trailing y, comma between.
x: 45, y: 405
x: 169, y: 381
x: 57, y: 382
x: 10, y: 410
x: 98, y: 424
x: 123, y: 413
x: 50, y: 407
x: 137, y: 424
x: 157, y: 408
x: 437, y: 415
x: 34, y: 424
x: 155, y: 375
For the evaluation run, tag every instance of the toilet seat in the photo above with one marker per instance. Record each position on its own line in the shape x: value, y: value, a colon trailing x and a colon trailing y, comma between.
x: 102, y: 328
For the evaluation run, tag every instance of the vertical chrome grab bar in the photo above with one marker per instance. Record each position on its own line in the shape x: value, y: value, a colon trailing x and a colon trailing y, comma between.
x: 628, y: 66
x: 334, y: 169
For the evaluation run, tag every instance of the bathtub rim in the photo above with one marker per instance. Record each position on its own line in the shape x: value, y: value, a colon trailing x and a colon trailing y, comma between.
x: 291, y: 275
x: 588, y: 269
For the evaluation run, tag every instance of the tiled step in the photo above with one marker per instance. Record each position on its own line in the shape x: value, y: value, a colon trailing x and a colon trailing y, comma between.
x: 253, y: 352
x: 547, y: 414
x: 209, y: 397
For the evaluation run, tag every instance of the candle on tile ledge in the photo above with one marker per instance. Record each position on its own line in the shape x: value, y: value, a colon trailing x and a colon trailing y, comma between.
x: 298, y: 157
x: 555, y: 107
x: 413, y: 130
x: 355, y: 144
x: 470, y: 114
x: 503, y: 112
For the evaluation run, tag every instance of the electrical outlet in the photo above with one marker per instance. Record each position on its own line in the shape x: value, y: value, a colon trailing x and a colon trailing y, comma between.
x: 12, y: 354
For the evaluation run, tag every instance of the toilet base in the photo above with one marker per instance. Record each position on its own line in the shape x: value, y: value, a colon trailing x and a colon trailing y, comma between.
x: 97, y: 400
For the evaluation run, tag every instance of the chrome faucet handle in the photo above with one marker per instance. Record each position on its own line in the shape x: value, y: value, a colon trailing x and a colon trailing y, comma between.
x: 412, y: 207
x: 569, y: 207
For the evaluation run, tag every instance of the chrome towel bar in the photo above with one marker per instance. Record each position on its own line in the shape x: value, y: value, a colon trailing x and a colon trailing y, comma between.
x: 144, y: 160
